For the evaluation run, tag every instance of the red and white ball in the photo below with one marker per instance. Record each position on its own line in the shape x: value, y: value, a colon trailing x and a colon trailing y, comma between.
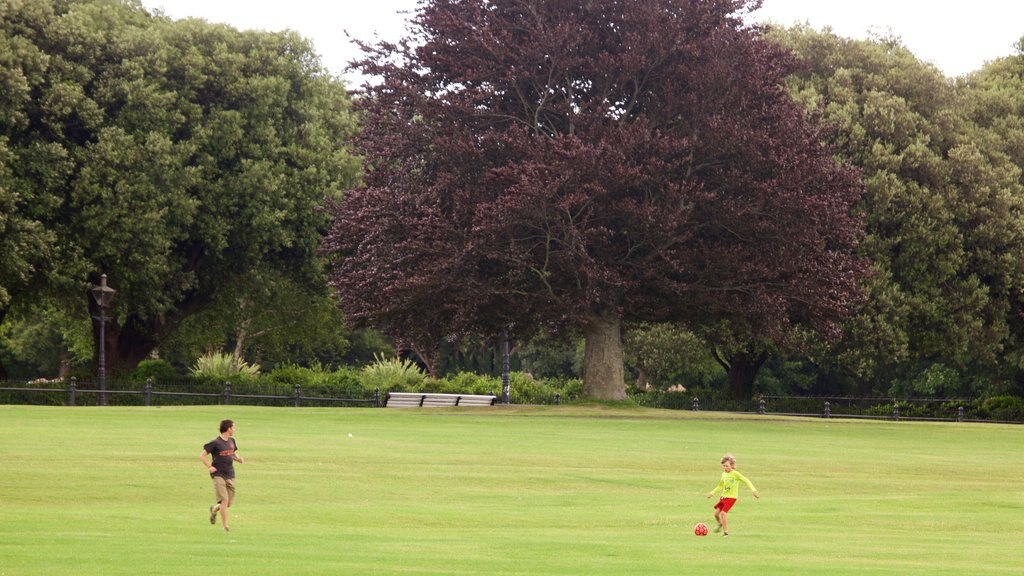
x: 701, y: 529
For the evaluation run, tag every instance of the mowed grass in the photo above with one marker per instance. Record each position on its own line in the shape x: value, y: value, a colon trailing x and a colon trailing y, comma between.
x: 558, y: 490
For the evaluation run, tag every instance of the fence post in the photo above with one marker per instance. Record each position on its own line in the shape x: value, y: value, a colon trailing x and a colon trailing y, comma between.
x: 149, y: 391
x: 227, y: 392
x: 828, y: 409
x: 760, y: 407
x: 960, y: 414
x: 298, y: 396
x: 72, y: 389
x: 696, y: 404
x: 376, y: 397
x: 896, y: 410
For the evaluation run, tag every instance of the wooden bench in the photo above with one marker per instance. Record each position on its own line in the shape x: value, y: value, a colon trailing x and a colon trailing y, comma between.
x: 427, y: 400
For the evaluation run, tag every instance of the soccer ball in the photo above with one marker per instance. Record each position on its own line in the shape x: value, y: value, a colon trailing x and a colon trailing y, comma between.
x: 701, y: 529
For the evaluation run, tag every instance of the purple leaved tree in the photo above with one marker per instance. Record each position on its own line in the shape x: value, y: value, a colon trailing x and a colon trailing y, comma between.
x: 546, y: 163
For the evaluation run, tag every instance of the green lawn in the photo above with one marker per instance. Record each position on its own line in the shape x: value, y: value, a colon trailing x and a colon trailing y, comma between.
x: 558, y: 490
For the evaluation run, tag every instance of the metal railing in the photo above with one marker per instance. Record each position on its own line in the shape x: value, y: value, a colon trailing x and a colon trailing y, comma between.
x: 150, y: 394
x: 198, y: 393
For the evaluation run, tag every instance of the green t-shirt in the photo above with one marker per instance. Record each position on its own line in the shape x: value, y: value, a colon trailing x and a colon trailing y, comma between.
x: 729, y: 485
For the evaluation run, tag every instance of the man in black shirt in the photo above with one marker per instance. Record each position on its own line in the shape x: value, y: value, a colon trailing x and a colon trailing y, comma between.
x: 224, y: 452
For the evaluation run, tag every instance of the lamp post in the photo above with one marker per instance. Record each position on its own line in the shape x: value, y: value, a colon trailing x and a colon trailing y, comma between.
x: 505, y: 388
x: 103, y: 295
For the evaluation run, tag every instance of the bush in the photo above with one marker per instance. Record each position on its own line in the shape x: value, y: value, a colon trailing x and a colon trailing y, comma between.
x: 1008, y: 408
x: 469, y: 383
x: 524, y: 389
x: 219, y: 365
x: 158, y: 370
x: 318, y: 381
x: 393, y: 375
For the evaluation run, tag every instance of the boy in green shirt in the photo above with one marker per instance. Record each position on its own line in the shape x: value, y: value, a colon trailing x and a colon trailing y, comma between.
x: 730, y: 488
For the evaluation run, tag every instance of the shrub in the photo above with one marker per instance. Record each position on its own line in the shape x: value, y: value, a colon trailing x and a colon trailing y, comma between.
x: 392, y: 374
x: 218, y: 365
x: 345, y: 381
x: 158, y: 370
x: 1004, y: 408
x: 882, y: 410
x: 470, y: 383
x: 523, y: 389
x: 318, y: 381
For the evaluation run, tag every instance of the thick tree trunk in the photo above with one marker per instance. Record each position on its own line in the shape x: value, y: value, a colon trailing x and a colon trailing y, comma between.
x: 131, y: 343
x: 743, y: 368
x: 603, y: 375
x: 126, y: 346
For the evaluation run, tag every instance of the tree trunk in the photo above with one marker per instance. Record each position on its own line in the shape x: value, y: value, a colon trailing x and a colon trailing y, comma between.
x: 603, y: 374
x: 429, y: 360
x: 241, y: 332
x: 132, y: 343
x: 3, y: 314
x: 127, y: 345
x: 743, y: 368
x: 64, y: 372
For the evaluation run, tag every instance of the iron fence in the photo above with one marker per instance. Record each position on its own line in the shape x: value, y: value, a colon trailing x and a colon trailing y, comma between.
x: 874, y: 408
x: 150, y: 393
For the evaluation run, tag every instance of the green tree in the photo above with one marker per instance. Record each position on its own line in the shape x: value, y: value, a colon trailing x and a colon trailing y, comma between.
x: 995, y: 103
x: 178, y: 157
x: 45, y: 341
x: 943, y: 208
x: 661, y: 355
x: 267, y: 319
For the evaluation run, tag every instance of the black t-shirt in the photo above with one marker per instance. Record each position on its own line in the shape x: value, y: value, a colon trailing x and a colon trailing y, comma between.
x: 223, y: 452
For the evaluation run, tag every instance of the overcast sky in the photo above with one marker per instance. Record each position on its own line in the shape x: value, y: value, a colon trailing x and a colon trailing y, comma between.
x: 957, y: 36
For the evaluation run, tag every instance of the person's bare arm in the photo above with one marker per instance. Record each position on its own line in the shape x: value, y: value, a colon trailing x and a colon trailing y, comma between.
x: 209, y: 467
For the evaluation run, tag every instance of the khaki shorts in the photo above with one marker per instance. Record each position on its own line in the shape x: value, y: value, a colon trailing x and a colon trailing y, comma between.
x: 224, y: 489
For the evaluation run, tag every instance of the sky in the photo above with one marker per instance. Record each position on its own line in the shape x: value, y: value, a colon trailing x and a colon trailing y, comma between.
x: 956, y: 36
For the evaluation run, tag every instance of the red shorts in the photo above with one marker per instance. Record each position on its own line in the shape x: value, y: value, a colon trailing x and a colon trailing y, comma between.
x: 725, y: 504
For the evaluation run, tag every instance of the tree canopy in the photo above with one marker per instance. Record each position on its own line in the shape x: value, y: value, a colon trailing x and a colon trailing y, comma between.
x: 177, y: 157
x: 546, y: 163
x: 943, y: 204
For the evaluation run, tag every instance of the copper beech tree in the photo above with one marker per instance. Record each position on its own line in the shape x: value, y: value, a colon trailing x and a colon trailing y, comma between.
x: 543, y: 163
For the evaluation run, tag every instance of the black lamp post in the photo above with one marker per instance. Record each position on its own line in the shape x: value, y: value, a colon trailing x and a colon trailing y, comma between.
x: 103, y: 295
x: 505, y: 388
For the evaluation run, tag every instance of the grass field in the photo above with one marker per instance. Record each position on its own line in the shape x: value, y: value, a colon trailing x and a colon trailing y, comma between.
x: 558, y: 490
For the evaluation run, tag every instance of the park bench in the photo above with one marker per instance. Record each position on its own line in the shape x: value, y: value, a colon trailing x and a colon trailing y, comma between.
x: 427, y: 400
